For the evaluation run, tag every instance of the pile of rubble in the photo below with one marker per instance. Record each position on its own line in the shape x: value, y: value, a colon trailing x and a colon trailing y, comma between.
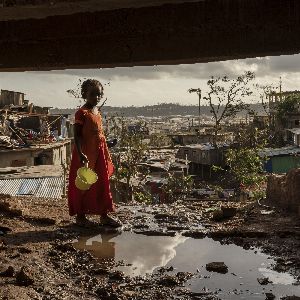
x: 284, y: 190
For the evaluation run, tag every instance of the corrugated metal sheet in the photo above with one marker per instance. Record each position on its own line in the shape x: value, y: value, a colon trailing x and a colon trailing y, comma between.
x: 270, y: 152
x: 46, y: 187
x: 282, y: 164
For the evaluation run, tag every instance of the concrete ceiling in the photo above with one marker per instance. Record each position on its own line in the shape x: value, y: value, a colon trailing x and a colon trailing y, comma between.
x: 23, y: 9
x: 143, y: 32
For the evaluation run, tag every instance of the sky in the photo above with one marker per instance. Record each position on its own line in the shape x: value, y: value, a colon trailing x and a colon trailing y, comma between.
x: 140, y: 86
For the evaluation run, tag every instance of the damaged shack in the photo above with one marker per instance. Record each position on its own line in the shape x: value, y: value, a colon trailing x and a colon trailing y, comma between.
x: 29, y: 135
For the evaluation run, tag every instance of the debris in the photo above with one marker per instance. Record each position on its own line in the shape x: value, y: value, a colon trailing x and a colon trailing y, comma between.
x: 9, y: 272
x: 4, y: 230
x: 169, y: 280
x: 270, y: 296
x: 264, y: 280
x: 100, y: 271
x: 217, y: 215
x: 196, y: 234
x: 267, y: 212
x: 228, y: 212
x: 218, y: 267
x: 183, y: 276
x: 24, y: 277
x: 117, y: 275
x: 155, y: 232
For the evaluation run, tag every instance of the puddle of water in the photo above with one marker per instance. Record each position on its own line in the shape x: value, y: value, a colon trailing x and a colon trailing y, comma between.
x: 146, y: 254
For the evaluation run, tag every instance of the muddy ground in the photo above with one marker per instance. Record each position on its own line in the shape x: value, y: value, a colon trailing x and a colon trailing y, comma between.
x: 38, y: 260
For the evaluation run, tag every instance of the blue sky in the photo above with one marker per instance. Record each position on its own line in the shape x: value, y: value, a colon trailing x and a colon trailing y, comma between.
x: 148, y: 85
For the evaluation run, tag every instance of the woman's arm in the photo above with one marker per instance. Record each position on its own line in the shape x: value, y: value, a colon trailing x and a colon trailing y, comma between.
x: 77, y: 140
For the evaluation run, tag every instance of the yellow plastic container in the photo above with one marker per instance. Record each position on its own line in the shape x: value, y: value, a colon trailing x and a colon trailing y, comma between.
x: 81, y: 184
x: 87, y: 175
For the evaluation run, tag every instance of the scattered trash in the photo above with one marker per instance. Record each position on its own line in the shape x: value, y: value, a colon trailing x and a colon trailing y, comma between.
x: 267, y: 212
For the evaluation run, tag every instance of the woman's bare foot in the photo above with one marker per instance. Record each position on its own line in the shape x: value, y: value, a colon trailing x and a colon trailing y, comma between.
x: 110, y: 221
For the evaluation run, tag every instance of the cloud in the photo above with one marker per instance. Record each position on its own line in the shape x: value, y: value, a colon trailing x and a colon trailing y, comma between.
x: 149, y: 85
x: 261, y: 66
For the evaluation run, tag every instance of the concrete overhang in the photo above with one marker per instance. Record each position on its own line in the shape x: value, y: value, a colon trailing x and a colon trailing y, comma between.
x: 109, y: 33
x: 22, y: 9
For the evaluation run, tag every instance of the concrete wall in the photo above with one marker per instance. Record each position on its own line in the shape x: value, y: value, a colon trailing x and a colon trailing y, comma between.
x: 29, y: 157
x: 16, y: 159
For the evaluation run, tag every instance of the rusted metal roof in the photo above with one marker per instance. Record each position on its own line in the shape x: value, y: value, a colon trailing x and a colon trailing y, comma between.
x: 46, y: 187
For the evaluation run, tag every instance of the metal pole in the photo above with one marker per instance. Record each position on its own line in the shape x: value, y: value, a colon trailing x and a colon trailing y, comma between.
x: 199, y: 111
x: 199, y: 95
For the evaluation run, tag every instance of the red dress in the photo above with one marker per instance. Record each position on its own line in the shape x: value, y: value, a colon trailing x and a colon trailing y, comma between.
x: 98, y: 199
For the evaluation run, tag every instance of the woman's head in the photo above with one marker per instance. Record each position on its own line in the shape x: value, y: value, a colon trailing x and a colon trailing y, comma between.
x: 92, y: 91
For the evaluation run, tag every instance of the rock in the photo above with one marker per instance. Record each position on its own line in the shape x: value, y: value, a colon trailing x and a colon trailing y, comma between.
x: 24, y: 250
x: 196, y: 234
x: 103, y: 292
x: 290, y: 298
x: 67, y: 247
x: 5, y: 229
x: 140, y: 225
x: 270, y: 296
x: 24, y: 277
x: 217, y: 215
x: 164, y: 216
x: 177, y: 227
x: 100, y: 271
x: 9, y: 272
x: 169, y: 280
x: 218, y: 267
x: 45, y: 221
x: 228, y: 212
x: 166, y: 269
x: 6, y: 207
x: 117, y: 275
x: 263, y: 280
x: 107, y: 293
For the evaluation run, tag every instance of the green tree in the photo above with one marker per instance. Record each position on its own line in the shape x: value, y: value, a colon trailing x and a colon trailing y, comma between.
x: 245, y: 161
x: 289, y: 105
x: 177, y: 186
x: 131, y: 151
x: 226, y: 97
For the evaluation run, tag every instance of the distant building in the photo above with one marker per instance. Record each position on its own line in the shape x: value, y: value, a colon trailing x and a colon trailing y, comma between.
x: 202, y: 157
x: 202, y: 138
x: 261, y: 121
x: 293, y: 136
x: 137, y: 128
x: 274, y: 100
x: 11, y: 98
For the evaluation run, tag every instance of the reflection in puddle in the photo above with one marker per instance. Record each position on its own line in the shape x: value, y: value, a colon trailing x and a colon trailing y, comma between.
x: 147, y: 253
x: 277, y: 278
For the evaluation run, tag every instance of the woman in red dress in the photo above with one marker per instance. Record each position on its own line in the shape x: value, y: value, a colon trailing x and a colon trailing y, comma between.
x: 91, y: 147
